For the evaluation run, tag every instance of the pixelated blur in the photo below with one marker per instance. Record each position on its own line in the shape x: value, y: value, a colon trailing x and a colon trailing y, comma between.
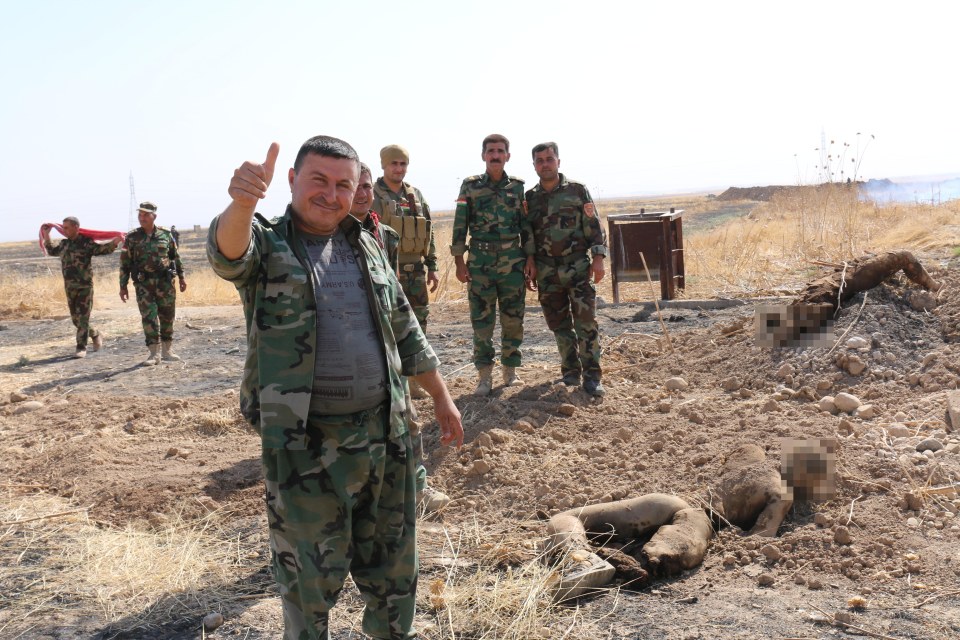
x: 799, y: 325
x: 807, y: 469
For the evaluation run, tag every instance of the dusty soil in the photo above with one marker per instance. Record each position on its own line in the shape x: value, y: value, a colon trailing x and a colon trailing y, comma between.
x: 133, y: 443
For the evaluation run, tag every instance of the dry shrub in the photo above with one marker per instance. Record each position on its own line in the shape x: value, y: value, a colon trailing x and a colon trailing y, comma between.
x: 205, y: 288
x: 477, y: 598
x: 786, y: 237
x: 31, y: 296
x: 211, y: 423
x: 134, y: 577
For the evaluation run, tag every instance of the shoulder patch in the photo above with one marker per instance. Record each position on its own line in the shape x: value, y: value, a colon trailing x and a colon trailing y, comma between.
x: 589, y: 210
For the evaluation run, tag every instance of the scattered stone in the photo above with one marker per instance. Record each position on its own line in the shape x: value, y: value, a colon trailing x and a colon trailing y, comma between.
x: 846, y: 402
x: 27, y: 407
x: 827, y: 404
x: 813, y: 584
x: 856, y: 342
x: 625, y: 434
x: 479, y: 468
x: 785, y: 370
x: 730, y: 384
x: 484, y: 440
x: 765, y: 579
x: 953, y: 409
x: 845, y: 426
x: 897, y: 430
x: 865, y: 411
x: 676, y: 384
x: 212, y: 620
x: 841, y: 535
x: 824, y: 385
x: 855, y: 365
x: 820, y: 519
x: 923, y: 301
x: 656, y: 446
x: 913, y: 523
x: 929, y: 444
x: 16, y: 396
x: 664, y: 406
x: 566, y: 409
x: 172, y: 451
x: 911, y: 501
x: 771, y: 552
x: 769, y: 406
x: 209, y: 504
x: 523, y: 426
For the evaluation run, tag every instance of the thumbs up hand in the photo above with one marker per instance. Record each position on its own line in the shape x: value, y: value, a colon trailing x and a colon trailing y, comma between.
x: 251, y: 180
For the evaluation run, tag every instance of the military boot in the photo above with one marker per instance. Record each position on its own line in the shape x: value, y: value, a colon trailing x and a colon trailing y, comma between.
x: 416, y: 391
x: 485, y: 383
x: 97, y: 342
x: 80, y: 353
x: 168, y: 353
x: 154, y: 357
x: 510, y: 377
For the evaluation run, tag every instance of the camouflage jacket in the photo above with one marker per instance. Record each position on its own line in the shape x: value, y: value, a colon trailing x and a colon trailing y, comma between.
x: 275, y: 283
x: 75, y: 258
x: 564, y: 221
x: 490, y: 212
x: 382, y: 193
x: 386, y: 237
x: 144, y: 256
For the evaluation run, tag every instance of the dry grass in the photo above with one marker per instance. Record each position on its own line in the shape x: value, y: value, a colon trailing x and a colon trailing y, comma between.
x: 496, y: 586
x: 783, y: 238
x: 131, y: 578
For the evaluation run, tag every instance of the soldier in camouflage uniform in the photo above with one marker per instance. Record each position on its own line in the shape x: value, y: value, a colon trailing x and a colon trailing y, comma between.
x: 75, y: 253
x: 402, y: 207
x: 570, y: 247
x: 389, y: 241
x: 149, y: 255
x: 490, y: 211
x: 322, y: 386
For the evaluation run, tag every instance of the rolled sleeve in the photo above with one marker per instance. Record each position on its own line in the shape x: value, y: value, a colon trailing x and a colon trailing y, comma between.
x: 235, y: 271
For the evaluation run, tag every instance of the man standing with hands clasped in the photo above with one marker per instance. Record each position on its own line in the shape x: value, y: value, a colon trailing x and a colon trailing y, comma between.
x: 570, y: 247
x: 329, y: 335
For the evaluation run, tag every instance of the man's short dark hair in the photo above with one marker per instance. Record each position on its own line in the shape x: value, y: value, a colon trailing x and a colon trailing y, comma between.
x: 71, y: 220
x: 365, y: 169
x: 327, y: 147
x: 543, y: 146
x: 496, y: 137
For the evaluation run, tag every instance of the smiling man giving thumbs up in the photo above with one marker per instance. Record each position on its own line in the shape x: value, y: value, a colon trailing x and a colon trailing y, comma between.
x: 329, y: 334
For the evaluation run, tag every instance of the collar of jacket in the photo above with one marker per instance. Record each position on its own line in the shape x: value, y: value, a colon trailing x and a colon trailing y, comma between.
x: 560, y: 185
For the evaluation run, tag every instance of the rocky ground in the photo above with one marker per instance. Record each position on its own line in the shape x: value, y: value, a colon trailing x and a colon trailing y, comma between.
x: 133, y: 444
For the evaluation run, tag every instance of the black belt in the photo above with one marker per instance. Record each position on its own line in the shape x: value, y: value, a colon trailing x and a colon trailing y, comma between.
x: 413, y: 267
x: 478, y: 245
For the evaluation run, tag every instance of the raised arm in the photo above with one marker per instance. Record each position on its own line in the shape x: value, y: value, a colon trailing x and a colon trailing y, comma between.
x: 247, y: 187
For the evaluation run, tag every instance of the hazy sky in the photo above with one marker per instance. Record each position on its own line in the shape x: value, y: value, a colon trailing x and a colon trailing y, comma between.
x: 642, y: 97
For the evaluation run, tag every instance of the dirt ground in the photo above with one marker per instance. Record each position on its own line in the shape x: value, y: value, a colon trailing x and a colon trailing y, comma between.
x: 131, y: 444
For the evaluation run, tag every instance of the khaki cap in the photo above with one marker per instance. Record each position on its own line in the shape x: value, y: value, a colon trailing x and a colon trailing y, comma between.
x: 393, y: 152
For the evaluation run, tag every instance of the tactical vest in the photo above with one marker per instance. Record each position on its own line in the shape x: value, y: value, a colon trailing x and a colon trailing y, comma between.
x: 409, y: 221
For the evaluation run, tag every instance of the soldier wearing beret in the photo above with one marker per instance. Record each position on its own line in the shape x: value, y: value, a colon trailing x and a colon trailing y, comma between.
x: 147, y: 256
x: 570, y: 247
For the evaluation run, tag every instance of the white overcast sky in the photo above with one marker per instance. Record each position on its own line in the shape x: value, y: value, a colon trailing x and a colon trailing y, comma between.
x: 642, y: 97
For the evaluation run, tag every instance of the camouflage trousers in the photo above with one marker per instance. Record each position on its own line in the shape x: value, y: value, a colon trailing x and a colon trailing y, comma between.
x: 346, y: 504
x: 80, y: 302
x: 497, y: 277
x: 157, y: 299
x: 569, y: 302
x: 414, y: 284
x: 416, y: 438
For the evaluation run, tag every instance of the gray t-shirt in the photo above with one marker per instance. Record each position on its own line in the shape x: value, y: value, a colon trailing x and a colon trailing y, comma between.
x: 351, y: 370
